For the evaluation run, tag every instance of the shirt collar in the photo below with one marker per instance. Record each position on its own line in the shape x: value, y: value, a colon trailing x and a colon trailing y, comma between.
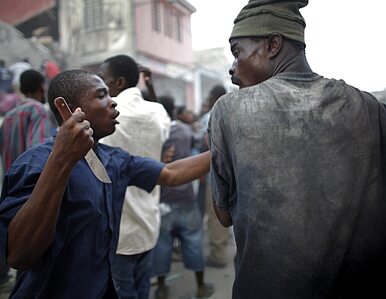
x: 132, y: 91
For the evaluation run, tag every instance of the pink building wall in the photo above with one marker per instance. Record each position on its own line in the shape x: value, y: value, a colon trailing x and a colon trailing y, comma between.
x: 158, y: 44
x: 16, y: 11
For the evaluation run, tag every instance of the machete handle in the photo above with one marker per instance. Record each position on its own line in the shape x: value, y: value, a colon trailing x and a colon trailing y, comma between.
x: 64, y: 110
x: 91, y: 158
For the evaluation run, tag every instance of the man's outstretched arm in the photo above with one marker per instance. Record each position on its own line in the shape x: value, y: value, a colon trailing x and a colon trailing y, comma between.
x: 184, y: 170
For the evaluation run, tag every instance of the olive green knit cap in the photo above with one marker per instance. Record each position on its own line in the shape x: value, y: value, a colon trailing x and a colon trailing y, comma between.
x: 264, y: 17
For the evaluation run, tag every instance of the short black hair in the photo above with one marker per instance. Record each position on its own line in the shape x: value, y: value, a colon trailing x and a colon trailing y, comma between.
x: 124, y: 66
x: 31, y: 81
x: 70, y: 85
x: 168, y: 103
x: 180, y: 110
x: 215, y: 93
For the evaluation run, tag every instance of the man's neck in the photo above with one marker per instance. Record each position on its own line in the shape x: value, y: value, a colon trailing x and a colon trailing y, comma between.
x: 295, y: 63
x: 34, y: 96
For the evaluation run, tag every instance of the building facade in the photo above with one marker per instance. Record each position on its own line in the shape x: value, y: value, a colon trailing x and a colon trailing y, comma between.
x: 29, y: 29
x: 156, y: 33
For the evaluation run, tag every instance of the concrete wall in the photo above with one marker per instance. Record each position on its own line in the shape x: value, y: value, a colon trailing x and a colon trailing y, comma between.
x: 87, y: 46
x: 14, y: 47
x: 128, y: 30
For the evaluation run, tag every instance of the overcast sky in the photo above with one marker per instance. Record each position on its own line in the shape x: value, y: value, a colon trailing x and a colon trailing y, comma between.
x: 346, y: 39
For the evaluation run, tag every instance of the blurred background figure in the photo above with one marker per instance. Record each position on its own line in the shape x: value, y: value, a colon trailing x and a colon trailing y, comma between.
x: 50, y: 69
x: 143, y: 128
x: 5, y: 78
x: 17, y: 69
x: 217, y: 234
x: 184, y: 115
x: 24, y: 126
x: 8, y: 99
x: 149, y: 93
x: 180, y: 216
x: 188, y: 117
x: 27, y: 124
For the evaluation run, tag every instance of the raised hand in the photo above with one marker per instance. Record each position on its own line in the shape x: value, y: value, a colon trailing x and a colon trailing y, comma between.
x: 74, y: 138
x: 146, y: 73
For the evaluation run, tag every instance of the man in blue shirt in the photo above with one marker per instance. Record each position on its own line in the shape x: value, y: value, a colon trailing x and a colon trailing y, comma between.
x: 58, y: 222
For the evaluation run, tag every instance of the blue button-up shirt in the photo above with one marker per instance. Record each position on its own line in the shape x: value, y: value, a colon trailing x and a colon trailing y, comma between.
x: 77, y: 263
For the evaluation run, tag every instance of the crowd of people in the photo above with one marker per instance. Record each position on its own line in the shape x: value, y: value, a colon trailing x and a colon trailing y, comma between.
x: 150, y: 128
x: 296, y: 160
x: 26, y: 121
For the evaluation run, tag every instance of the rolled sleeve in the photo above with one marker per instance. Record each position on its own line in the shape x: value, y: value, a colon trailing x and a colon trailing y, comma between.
x: 220, y: 184
x: 221, y: 174
x: 144, y: 172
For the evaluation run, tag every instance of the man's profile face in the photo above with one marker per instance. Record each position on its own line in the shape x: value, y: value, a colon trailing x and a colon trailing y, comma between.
x: 106, y: 75
x: 43, y: 92
x: 99, y: 108
x: 250, y: 65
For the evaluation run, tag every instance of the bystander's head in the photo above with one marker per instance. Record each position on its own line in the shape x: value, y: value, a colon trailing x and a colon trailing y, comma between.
x: 119, y: 73
x: 32, y: 85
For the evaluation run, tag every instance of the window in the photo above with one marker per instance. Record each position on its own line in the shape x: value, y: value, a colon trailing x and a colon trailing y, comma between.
x: 179, y: 29
x: 156, y: 15
x: 169, y: 21
x: 93, y: 15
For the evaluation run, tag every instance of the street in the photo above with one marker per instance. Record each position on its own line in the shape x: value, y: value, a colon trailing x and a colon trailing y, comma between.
x: 182, y: 284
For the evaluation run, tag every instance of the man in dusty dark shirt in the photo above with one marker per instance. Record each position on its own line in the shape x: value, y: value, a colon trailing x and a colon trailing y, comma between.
x: 297, y: 167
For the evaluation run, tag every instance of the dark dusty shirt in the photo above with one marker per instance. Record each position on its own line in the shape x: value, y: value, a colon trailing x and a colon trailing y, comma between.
x: 77, y: 263
x: 297, y: 161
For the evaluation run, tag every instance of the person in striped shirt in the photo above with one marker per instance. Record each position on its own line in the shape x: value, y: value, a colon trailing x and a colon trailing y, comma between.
x: 27, y: 124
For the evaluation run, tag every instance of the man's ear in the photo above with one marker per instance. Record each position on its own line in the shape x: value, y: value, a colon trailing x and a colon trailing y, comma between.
x: 275, y: 43
x: 121, y: 83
